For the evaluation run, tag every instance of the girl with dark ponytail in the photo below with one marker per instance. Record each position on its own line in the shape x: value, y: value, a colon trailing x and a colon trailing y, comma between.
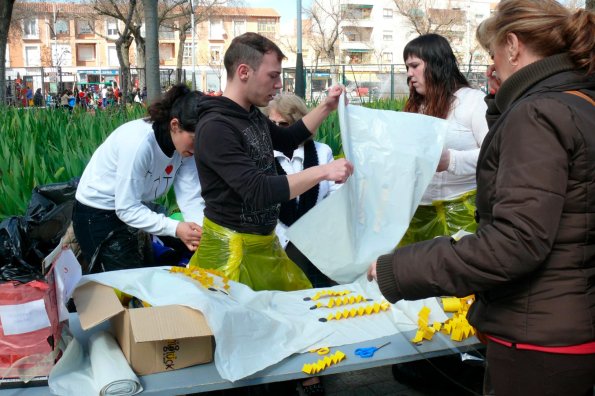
x: 138, y: 163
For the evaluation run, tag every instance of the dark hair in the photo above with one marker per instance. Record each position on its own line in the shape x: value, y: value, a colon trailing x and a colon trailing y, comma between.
x: 178, y: 102
x: 442, y: 76
x: 546, y: 27
x: 248, y: 48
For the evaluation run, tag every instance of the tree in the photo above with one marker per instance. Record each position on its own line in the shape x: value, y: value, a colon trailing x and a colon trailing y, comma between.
x: 6, y: 7
x: 325, y: 17
x: 424, y: 17
x: 152, y: 50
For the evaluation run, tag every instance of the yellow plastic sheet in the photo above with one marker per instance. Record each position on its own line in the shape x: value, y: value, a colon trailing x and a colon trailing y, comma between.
x: 441, y: 218
x: 258, y: 261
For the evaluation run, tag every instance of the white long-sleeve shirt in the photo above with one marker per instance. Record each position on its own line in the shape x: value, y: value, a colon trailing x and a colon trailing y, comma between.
x: 468, y: 113
x: 129, y: 168
x: 295, y: 165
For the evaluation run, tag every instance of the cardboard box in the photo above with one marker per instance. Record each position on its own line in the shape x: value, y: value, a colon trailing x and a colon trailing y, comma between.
x: 153, y: 339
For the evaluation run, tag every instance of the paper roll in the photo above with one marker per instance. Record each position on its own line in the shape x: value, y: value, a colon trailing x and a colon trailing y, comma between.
x: 113, y: 376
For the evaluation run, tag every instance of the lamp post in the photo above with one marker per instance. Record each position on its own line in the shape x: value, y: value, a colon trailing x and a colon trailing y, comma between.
x: 193, y: 46
x: 300, y: 88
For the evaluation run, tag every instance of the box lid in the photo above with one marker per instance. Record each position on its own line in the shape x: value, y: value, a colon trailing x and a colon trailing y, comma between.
x: 170, y: 322
x: 95, y: 303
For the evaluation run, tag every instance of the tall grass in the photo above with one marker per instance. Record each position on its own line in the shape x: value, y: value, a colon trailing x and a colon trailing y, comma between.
x: 42, y: 146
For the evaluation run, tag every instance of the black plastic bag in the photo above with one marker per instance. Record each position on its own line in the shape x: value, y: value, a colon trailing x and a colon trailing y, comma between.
x: 50, y: 211
x: 14, y: 247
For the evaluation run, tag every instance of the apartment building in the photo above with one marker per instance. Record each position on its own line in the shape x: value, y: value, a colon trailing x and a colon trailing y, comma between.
x: 54, y: 45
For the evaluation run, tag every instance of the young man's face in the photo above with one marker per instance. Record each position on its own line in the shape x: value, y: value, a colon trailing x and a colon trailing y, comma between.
x: 265, y: 82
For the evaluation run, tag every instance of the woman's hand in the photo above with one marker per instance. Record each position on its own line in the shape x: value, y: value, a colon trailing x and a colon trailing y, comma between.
x: 332, y: 97
x: 493, y: 80
x: 372, y: 272
x: 338, y: 171
x: 190, y: 233
x: 444, y: 161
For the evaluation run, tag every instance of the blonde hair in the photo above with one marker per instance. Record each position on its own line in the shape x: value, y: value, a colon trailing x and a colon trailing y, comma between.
x: 289, y: 106
x: 544, y: 26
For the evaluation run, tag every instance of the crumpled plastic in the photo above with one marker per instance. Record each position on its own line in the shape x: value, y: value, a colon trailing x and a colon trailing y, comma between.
x: 258, y: 261
x: 395, y: 155
x: 442, y: 218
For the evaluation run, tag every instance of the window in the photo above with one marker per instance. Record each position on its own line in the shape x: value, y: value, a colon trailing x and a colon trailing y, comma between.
x: 267, y: 27
x: 387, y: 13
x: 387, y: 35
x: 85, y: 52
x: 32, y: 55
x: 111, y: 28
x: 112, y: 56
x: 61, y: 26
x: 215, y: 54
x: 387, y: 57
x: 187, y: 56
x: 166, y: 52
x: 239, y: 27
x: 216, y: 29
x: 166, y: 33
x: 30, y: 28
x: 61, y: 55
x: 83, y: 27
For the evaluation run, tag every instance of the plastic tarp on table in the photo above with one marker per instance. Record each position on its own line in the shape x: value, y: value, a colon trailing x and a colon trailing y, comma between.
x: 395, y: 155
x: 254, y: 330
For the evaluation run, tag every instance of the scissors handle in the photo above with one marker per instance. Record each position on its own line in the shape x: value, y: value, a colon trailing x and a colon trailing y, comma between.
x: 369, y: 352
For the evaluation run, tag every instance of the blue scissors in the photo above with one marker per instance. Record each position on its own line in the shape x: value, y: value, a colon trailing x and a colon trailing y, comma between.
x: 369, y: 352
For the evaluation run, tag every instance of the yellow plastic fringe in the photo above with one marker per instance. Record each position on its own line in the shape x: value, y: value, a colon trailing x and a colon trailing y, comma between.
x: 458, y: 327
x: 324, y: 363
x: 338, y: 301
x: 369, y: 309
x: 202, y: 275
x: 329, y: 293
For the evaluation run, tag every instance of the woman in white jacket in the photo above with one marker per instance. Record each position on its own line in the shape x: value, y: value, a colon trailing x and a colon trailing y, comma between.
x: 138, y: 163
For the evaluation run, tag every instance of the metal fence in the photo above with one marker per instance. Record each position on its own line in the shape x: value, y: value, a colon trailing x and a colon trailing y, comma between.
x: 368, y: 82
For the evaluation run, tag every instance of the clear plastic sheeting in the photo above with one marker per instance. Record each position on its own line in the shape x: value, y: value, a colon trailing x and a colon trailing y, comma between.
x: 246, y: 323
x: 395, y: 155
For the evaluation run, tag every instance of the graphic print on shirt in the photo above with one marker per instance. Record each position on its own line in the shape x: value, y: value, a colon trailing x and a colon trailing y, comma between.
x: 161, y: 183
x: 260, y: 150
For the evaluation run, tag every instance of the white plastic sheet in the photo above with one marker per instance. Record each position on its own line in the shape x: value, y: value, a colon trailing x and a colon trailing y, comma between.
x: 253, y: 330
x: 102, y: 371
x: 395, y: 155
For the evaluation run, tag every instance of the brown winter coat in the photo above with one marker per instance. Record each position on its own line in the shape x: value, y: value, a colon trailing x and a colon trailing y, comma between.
x: 532, y: 261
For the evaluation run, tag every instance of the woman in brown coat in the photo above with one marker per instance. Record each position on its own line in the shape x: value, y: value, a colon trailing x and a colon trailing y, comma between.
x: 531, y: 262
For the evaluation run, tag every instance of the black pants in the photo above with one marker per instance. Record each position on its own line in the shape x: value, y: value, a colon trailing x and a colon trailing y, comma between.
x: 317, y: 278
x: 106, y: 242
x: 521, y: 372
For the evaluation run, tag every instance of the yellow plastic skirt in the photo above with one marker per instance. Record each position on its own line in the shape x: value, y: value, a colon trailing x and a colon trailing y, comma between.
x: 442, y: 218
x: 258, y: 261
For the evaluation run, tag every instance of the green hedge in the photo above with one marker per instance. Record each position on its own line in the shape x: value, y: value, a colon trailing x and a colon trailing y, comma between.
x: 42, y: 146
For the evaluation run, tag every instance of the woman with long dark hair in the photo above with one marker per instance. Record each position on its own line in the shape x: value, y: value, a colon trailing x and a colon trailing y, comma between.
x: 438, y: 89
x: 138, y: 163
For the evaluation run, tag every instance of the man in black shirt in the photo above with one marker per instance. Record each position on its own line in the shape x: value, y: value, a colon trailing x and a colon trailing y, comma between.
x: 234, y: 153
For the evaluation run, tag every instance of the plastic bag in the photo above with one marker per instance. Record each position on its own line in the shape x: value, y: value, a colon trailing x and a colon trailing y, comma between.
x: 441, y: 218
x: 14, y: 244
x: 50, y: 211
x: 395, y: 156
x: 258, y: 261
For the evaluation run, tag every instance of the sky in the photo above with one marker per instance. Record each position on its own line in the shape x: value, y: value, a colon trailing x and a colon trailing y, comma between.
x: 286, y: 8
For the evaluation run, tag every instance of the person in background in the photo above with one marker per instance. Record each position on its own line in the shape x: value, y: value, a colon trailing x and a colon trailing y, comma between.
x: 235, y: 161
x: 284, y: 110
x: 104, y: 94
x: 531, y: 263
x: 38, y: 98
x: 65, y: 100
x: 438, y: 88
x: 139, y: 162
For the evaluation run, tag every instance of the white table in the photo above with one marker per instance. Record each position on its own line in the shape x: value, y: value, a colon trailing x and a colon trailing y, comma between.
x: 204, y: 377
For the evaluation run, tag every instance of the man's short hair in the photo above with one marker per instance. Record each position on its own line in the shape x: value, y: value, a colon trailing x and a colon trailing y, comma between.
x: 249, y: 48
